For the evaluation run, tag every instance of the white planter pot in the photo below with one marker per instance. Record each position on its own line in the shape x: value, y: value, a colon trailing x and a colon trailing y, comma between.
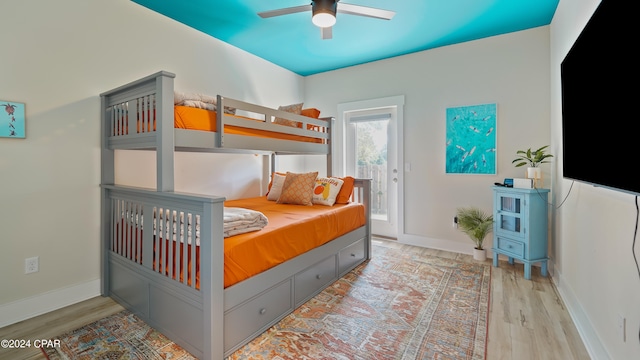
x: 480, y: 255
x: 534, y: 173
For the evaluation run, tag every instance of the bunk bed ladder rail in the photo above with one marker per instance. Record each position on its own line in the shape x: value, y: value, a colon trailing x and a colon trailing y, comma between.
x: 149, y: 243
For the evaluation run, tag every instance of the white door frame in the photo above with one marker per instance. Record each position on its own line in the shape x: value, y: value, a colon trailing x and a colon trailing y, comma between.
x: 339, y: 144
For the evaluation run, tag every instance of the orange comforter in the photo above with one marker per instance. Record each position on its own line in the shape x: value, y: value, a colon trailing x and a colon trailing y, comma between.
x: 292, y: 230
x: 201, y: 119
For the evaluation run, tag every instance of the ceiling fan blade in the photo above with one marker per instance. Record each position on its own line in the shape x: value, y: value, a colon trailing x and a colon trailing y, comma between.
x: 326, y: 33
x: 365, y: 11
x: 285, y: 11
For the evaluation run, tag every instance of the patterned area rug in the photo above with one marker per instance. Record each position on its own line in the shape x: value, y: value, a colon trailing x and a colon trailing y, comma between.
x: 399, y: 305
x: 121, y: 336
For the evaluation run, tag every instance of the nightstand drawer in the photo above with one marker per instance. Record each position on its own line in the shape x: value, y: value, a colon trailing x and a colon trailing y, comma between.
x: 511, y: 246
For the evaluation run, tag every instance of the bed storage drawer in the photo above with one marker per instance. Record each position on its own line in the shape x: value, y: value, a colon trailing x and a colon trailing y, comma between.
x: 314, y: 278
x: 350, y: 256
x: 256, y: 315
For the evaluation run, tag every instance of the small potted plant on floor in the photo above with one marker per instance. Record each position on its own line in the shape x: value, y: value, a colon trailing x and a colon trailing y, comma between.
x: 533, y: 158
x: 477, y: 224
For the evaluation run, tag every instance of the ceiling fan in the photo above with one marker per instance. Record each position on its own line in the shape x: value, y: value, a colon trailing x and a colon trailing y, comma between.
x: 324, y: 13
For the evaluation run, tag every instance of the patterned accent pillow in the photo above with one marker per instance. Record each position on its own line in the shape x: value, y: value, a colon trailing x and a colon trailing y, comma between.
x: 294, y: 109
x: 199, y: 101
x: 298, y: 188
x: 326, y: 190
x: 276, y: 187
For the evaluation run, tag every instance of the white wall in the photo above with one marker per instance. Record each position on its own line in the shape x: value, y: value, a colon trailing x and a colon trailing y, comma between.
x: 511, y: 70
x: 64, y: 54
x: 593, y: 230
x: 57, y: 58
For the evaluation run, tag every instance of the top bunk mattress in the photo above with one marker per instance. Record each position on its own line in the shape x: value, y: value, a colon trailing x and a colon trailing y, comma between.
x: 292, y: 230
x: 191, y: 118
x: 142, y: 115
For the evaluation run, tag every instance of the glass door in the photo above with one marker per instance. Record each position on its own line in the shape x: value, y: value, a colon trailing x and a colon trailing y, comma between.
x: 509, y: 219
x: 369, y: 139
x: 371, y: 154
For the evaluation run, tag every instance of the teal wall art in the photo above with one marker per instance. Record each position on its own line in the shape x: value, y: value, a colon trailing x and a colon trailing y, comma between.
x: 471, y: 139
x: 12, y: 119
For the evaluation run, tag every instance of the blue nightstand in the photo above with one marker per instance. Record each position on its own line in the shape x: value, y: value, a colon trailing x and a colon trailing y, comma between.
x: 520, y: 228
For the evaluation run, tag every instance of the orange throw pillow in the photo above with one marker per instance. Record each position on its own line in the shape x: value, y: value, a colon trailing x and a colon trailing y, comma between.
x: 344, y: 196
x: 310, y: 112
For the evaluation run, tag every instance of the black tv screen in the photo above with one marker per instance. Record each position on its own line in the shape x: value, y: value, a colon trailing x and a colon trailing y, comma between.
x: 600, y: 98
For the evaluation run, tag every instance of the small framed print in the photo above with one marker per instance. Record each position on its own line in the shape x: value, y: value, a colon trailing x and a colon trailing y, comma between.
x: 12, y: 121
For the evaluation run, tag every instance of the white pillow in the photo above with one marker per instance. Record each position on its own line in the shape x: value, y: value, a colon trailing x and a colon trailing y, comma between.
x: 326, y: 190
x: 276, y: 187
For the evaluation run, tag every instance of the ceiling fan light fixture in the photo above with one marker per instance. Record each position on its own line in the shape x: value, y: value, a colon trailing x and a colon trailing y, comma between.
x: 323, y: 20
x: 324, y: 13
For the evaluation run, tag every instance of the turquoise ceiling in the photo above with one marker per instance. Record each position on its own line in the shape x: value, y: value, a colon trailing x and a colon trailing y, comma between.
x: 293, y: 42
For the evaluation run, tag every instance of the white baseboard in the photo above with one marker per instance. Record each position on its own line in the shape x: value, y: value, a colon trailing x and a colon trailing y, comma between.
x: 24, y: 309
x: 590, y: 338
x: 438, y: 244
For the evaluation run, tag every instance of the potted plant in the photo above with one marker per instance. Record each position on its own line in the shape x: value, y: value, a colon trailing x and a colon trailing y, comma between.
x: 533, y: 158
x: 477, y: 224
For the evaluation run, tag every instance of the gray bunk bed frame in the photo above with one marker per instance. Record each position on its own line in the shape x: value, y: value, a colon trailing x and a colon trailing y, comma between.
x: 211, y: 322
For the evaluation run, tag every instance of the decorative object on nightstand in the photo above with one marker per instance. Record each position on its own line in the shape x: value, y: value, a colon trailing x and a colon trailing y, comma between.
x: 533, y: 158
x: 520, y: 228
x: 477, y: 224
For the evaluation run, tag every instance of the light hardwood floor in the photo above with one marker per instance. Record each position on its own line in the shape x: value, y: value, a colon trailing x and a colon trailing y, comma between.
x: 527, y: 318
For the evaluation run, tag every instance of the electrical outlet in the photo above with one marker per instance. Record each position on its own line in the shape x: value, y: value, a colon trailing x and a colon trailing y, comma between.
x: 31, y: 265
x: 455, y: 222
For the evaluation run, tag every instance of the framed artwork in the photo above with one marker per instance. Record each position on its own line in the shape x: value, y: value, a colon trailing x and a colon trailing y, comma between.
x: 12, y: 119
x: 471, y: 139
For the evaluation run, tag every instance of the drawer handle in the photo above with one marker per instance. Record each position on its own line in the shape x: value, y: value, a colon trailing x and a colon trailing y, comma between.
x: 510, y: 246
x: 353, y: 255
x: 263, y: 311
x: 318, y: 276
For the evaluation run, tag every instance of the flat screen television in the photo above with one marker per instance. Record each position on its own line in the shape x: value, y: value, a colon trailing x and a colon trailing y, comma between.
x: 600, y: 101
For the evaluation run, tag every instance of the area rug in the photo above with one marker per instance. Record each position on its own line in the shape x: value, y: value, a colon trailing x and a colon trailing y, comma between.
x: 399, y: 305
x: 121, y: 336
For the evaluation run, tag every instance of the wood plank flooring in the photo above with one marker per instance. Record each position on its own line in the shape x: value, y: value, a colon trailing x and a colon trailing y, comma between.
x: 527, y: 318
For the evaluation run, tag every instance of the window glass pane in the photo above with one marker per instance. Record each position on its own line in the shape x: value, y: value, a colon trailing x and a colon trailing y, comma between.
x: 510, y: 204
x: 371, y: 162
x: 510, y: 223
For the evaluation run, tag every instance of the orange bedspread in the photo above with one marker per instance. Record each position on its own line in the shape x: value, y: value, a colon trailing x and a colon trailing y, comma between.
x: 201, y: 119
x: 292, y: 230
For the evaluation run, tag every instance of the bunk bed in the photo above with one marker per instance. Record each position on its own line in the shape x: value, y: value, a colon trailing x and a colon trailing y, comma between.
x: 164, y: 254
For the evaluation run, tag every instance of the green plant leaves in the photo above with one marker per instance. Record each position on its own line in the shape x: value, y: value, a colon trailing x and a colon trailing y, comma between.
x: 475, y: 223
x: 533, y: 158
